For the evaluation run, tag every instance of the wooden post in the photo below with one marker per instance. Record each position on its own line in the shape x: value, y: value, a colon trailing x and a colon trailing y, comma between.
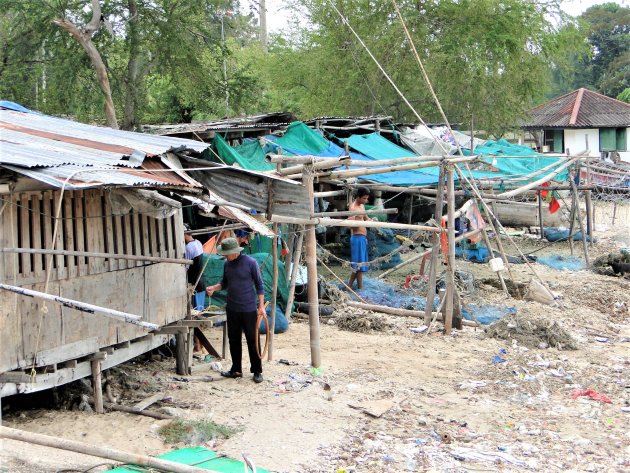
x: 540, y: 215
x: 590, y: 214
x: 190, y: 348
x: 181, y: 360
x: 579, y: 217
x: 450, y: 274
x: 297, y: 252
x: 98, y: 451
x: 436, y: 248
x: 410, y: 212
x: 574, y: 203
x: 311, y: 264
x: 97, y: 386
x: 290, y: 243
x: 274, y: 291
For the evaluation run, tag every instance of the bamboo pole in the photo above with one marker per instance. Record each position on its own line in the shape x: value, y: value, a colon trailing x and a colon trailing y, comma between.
x: 450, y: 274
x: 547, y: 177
x: 294, y: 270
x: 311, y: 264
x: 401, y: 312
x: 351, y: 213
x: 98, y: 451
x: 330, y: 193
x: 82, y: 306
x: 308, y: 159
x: 366, y: 170
x: 154, y: 259
x: 439, y: 206
x: 589, y: 205
x: 331, y: 222
x: 540, y: 216
x: 320, y: 163
x: 274, y: 291
x: 574, y: 204
x: 579, y: 217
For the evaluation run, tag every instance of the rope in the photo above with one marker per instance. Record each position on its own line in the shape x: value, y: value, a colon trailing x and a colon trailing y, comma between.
x: 393, y: 84
x: 347, y: 264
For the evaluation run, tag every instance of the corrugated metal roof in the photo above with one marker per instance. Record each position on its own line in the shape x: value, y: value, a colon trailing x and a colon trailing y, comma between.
x: 252, y: 122
x: 581, y: 108
x: 81, y: 177
x: 16, y: 126
x: 251, y: 188
x: 52, y: 149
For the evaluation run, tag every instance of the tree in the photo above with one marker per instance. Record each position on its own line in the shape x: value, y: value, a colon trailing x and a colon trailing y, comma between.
x: 487, y: 58
x: 84, y: 38
x: 164, y: 59
x: 607, y: 70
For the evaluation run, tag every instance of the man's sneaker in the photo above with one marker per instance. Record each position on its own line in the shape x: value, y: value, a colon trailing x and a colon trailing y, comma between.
x: 258, y: 378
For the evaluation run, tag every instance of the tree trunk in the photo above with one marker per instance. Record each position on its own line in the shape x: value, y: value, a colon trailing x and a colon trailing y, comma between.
x: 84, y: 38
x: 130, y: 121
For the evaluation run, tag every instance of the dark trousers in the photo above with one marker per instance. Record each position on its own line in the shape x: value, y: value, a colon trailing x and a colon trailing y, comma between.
x: 237, y: 323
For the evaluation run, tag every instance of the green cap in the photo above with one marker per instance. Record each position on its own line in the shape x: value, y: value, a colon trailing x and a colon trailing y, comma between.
x: 229, y: 246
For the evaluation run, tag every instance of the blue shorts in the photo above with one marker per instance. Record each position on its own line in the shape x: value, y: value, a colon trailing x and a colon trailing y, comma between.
x: 359, y: 252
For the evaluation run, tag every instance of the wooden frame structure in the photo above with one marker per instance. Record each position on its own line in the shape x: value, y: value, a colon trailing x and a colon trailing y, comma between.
x: 54, y: 341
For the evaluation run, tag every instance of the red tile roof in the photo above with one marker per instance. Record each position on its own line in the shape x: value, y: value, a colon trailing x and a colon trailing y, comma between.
x: 581, y: 108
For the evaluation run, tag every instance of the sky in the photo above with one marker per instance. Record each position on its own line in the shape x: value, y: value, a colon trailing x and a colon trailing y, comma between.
x: 277, y: 16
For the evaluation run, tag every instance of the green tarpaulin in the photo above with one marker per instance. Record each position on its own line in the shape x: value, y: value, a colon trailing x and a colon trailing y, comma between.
x: 214, y: 272
x: 249, y: 155
x: 300, y: 137
x: 531, y: 161
x: 199, y: 457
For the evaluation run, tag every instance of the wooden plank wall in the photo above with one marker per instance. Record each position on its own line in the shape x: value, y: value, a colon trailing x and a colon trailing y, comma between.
x: 86, y: 223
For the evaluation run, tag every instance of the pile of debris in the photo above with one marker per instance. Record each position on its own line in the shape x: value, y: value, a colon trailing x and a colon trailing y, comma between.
x: 532, y: 331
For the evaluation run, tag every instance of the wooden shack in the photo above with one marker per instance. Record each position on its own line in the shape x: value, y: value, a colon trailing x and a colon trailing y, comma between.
x: 69, y: 193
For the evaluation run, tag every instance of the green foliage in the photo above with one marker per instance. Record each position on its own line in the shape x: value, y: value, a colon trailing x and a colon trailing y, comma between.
x: 607, y: 68
x: 164, y: 58
x: 624, y: 96
x: 194, y: 432
x: 167, y: 59
x: 486, y: 58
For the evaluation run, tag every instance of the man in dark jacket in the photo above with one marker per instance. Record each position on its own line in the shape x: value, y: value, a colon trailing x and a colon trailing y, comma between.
x: 245, y: 301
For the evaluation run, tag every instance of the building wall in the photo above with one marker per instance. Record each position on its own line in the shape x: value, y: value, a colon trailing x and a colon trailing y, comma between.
x: 575, y: 140
x: 156, y: 291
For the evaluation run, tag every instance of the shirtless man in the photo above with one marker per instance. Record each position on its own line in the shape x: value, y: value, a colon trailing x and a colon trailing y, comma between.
x: 358, y: 240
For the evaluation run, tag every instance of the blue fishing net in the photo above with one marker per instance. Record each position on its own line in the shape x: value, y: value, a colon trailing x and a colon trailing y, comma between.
x: 378, y: 292
x: 486, y: 314
x: 562, y: 262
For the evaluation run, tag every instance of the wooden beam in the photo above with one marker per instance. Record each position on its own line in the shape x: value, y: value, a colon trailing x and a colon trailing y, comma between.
x: 400, y: 312
x: 98, y: 451
x: 82, y: 306
x: 331, y: 222
x: 351, y: 213
x: 152, y: 259
x: 206, y: 343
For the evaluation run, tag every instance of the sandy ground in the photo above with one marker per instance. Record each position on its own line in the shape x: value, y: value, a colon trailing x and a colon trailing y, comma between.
x: 451, y: 408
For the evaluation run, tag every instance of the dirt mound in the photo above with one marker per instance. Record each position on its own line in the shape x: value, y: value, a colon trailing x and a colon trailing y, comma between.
x: 532, y: 331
